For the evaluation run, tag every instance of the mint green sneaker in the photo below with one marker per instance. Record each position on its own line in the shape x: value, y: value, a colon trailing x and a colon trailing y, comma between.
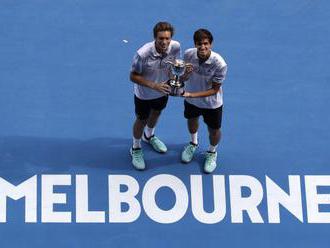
x: 156, y: 143
x: 210, y: 162
x: 137, y: 159
x: 188, y: 153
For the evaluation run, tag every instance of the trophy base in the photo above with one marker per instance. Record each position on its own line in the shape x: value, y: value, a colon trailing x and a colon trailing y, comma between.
x: 176, y: 89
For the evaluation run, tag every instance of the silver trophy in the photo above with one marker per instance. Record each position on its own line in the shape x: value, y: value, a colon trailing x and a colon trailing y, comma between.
x: 178, y: 68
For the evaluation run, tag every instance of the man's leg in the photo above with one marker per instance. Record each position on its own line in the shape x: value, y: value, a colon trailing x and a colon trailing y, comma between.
x: 191, y: 113
x: 214, y: 138
x: 212, y: 118
x: 157, y: 105
x: 149, y: 132
x: 189, y: 150
x: 136, y: 150
x: 138, y: 128
x: 211, y: 155
x: 193, y: 125
x: 142, y: 111
x: 151, y: 123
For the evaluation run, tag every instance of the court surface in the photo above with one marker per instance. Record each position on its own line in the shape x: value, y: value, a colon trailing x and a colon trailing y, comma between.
x: 66, y: 108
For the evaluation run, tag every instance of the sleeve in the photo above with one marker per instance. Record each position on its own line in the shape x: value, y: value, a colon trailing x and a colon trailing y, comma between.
x: 137, y: 65
x: 178, y: 52
x: 219, y: 74
x: 185, y: 56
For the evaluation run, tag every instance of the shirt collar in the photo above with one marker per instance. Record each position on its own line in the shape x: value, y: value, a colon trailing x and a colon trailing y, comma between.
x: 157, y: 54
x: 208, y: 61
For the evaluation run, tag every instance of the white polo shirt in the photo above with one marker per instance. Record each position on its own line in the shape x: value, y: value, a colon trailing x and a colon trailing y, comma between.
x: 152, y: 66
x: 213, y: 70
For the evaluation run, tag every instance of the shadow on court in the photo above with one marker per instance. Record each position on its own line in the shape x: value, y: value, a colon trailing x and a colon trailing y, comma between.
x: 60, y: 155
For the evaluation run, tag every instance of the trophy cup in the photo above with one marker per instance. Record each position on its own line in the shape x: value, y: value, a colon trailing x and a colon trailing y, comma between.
x: 178, y: 68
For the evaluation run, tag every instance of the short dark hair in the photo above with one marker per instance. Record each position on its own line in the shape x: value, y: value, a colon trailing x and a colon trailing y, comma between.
x: 163, y: 26
x: 201, y: 34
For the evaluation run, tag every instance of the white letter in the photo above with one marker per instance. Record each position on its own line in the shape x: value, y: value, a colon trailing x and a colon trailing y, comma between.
x: 219, y: 199
x: 150, y: 206
x: 49, y: 198
x: 27, y: 189
x: 116, y: 198
x: 313, y: 199
x: 250, y: 203
x: 83, y: 215
x: 291, y: 201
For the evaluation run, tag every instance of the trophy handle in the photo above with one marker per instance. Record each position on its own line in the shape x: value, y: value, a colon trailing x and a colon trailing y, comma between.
x: 169, y: 74
x: 169, y: 62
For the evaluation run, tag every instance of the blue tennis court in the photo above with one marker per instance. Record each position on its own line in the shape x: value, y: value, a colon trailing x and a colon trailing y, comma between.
x: 67, y: 110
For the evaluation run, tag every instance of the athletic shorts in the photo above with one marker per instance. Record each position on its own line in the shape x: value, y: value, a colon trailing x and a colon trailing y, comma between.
x: 144, y: 107
x: 212, y: 117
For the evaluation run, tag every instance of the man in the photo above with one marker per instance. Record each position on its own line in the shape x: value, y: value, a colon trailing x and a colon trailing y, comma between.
x: 149, y: 73
x: 203, y: 96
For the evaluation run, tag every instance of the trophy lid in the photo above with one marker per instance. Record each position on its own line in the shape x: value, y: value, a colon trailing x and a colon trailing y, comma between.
x: 179, y: 63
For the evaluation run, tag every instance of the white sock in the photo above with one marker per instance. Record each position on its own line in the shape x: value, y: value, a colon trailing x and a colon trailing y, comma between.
x: 149, y: 131
x: 136, y: 143
x: 194, y: 138
x: 212, y: 148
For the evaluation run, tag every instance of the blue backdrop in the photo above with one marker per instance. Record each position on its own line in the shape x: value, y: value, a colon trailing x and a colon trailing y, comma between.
x: 66, y: 107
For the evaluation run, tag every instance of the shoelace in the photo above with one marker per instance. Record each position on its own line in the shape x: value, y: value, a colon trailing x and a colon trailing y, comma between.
x: 138, y: 155
x: 210, y: 156
x: 191, y: 149
x: 154, y: 139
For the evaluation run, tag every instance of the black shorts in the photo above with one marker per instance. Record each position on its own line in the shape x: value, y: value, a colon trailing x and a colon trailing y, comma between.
x: 143, y: 107
x: 212, y: 117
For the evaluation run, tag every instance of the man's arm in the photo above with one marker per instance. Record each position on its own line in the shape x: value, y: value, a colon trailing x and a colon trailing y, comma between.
x: 139, y: 79
x: 215, y: 89
x: 217, y: 79
x: 136, y: 77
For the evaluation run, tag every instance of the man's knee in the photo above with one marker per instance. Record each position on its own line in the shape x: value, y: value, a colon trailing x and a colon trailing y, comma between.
x: 142, y: 120
x: 214, y: 131
x: 193, y: 125
x: 193, y: 121
x: 155, y: 112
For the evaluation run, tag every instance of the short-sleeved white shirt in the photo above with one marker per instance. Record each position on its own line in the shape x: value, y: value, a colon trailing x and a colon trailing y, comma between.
x: 213, y: 70
x: 152, y: 66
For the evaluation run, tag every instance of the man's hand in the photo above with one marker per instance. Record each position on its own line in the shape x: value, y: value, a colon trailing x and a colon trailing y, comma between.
x: 187, y: 94
x: 162, y: 87
x: 189, y: 68
x: 187, y: 72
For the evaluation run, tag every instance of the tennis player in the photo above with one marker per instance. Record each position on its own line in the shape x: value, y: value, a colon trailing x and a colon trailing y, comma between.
x: 203, y: 96
x: 149, y: 73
